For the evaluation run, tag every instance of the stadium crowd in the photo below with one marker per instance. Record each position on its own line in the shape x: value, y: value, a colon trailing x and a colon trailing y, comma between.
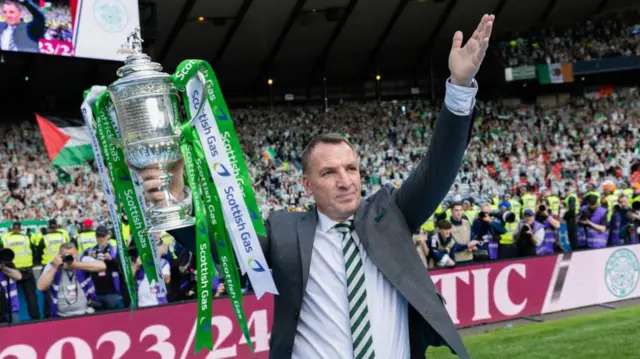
x: 610, y: 35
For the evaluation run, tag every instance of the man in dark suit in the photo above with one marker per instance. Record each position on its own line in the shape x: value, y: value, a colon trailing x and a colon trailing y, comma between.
x: 350, y: 282
x: 16, y: 35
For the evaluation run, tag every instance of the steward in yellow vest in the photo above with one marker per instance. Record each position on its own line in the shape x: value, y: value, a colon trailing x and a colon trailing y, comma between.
x: 49, y: 243
x: 23, y: 248
x: 86, y: 236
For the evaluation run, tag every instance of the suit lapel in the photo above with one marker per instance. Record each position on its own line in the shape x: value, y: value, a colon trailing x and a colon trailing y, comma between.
x: 306, y: 228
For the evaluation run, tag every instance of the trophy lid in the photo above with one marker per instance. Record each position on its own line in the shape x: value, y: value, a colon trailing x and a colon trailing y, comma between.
x: 138, y: 66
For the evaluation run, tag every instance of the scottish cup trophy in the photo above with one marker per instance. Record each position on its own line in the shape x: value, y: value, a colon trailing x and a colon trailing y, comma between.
x: 147, y: 110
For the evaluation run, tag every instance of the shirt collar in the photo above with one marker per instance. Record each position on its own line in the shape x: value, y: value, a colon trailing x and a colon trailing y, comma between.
x: 325, y: 224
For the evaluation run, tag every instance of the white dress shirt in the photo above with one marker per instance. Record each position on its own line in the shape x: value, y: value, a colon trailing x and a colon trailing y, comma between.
x: 324, y: 327
x: 5, y: 38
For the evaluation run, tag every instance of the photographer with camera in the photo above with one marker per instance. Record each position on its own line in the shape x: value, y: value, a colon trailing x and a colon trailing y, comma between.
x: 9, y: 275
x: 529, y: 235
x: 551, y: 225
x: 487, y: 230
x: 68, y: 280
x: 150, y: 295
x: 592, y: 223
x: 507, y: 221
x: 108, y: 283
x: 443, y: 247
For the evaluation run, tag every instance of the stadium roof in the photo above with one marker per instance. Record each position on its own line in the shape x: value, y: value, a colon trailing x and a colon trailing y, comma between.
x: 292, y: 40
x: 296, y: 42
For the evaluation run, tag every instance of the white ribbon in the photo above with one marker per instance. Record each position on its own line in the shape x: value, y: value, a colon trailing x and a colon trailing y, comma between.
x: 237, y: 218
x: 87, y: 113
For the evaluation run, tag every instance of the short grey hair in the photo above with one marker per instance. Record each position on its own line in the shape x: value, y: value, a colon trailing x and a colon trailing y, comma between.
x: 334, y: 138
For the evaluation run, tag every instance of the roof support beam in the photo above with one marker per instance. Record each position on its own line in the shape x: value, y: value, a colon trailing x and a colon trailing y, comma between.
x: 601, y: 6
x: 547, y: 10
x: 177, y: 27
x: 375, y: 53
x: 428, y: 46
x: 499, y: 7
x: 232, y: 31
x: 321, y: 62
x: 268, y: 62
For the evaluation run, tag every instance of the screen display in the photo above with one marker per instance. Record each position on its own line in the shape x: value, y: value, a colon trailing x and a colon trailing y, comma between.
x: 95, y: 29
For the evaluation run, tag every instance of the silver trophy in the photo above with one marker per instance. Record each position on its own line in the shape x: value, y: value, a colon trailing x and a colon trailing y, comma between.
x: 147, y: 110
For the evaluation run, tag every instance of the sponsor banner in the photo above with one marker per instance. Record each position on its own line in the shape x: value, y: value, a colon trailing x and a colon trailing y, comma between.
x: 162, y: 332
x: 493, y: 292
x: 520, y: 73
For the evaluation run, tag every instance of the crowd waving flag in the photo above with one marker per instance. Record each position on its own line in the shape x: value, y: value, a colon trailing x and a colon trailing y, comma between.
x: 67, y: 144
x: 555, y: 73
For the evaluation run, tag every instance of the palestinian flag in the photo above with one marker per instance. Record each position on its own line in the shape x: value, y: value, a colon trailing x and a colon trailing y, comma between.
x: 67, y: 143
x: 45, y: 5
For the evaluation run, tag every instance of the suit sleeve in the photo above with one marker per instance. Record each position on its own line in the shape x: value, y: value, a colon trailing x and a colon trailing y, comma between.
x: 37, y: 26
x: 431, y: 180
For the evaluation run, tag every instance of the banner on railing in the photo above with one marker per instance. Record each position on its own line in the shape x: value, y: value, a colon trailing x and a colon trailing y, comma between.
x: 166, y: 332
x: 511, y: 289
x: 475, y: 294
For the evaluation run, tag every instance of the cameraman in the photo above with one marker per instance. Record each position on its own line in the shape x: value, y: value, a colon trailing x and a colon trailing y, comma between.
x: 619, y: 221
x: 107, y: 283
x: 9, y: 275
x: 551, y: 225
x: 592, y: 223
x: 529, y: 235
x: 507, y: 219
x: 486, y: 231
x: 68, y: 280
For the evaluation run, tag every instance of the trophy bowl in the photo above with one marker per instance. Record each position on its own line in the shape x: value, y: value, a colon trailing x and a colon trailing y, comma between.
x: 146, y: 108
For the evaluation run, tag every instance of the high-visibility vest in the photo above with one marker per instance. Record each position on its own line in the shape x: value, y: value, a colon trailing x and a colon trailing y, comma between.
x: 628, y: 192
x: 86, y: 240
x: 495, y: 204
x: 20, y: 244
x: 430, y: 224
x: 529, y: 201
x: 612, y: 201
x: 52, y: 242
x: 592, y: 193
x: 507, y: 238
x: 126, y: 233
x: 471, y: 215
x: 167, y: 238
x: 516, y: 208
x: 554, y: 204
x: 566, y: 202
x: 636, y: 198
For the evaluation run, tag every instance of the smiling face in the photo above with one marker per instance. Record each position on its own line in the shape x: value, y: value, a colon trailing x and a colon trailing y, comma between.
x: 11, y: 13
x: 332, y: 176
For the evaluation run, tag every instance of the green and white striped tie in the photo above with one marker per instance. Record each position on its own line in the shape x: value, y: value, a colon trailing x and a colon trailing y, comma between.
x: 357, y: 294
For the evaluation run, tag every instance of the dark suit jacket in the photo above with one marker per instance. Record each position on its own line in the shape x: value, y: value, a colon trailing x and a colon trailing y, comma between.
x: 26, y: 36
x: 384, y: 223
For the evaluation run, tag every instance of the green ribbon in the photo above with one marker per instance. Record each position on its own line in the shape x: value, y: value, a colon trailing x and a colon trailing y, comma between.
x: 210, y: 213
x: 124, y: 188
x: 127, y: 270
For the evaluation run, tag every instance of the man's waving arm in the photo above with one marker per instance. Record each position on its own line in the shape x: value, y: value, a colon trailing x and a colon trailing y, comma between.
x: 431, y: 180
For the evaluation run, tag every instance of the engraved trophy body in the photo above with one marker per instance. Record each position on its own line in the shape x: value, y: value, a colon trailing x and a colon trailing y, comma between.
x: 146, y: 106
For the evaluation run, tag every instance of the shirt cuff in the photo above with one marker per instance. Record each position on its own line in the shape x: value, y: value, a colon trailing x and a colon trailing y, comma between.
x: 460, y: 100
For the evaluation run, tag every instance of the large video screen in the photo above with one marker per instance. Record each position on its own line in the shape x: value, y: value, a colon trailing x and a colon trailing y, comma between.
x: 95, y: 29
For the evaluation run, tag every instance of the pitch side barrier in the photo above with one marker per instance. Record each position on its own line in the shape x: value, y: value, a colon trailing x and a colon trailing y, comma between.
x: 474, y: 294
